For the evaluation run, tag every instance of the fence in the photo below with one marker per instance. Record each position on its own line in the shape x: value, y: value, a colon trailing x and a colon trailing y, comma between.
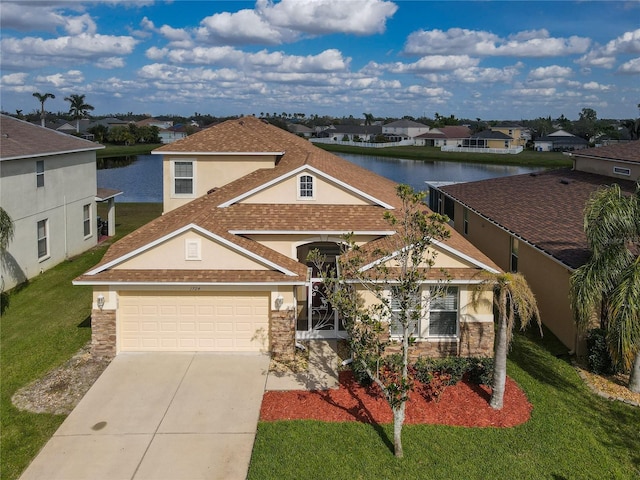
x: 500, y: 151
x: 403, y: 143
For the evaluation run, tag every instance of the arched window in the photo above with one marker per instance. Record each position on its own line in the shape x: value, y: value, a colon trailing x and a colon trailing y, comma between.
x: 305, y: 184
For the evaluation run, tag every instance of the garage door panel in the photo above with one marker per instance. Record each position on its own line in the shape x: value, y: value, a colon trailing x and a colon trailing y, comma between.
x: 192, y: 321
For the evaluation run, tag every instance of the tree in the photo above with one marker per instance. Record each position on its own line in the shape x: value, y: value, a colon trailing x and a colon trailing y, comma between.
x: 6, y: 229
x: 610, y: 280
x: 513, y: 299
x: 368, y: 118
x: 393, y: 273
x: 42, y: 97
x: 78, y: 108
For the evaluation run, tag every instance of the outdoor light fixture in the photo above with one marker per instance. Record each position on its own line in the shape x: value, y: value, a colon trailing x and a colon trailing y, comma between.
x: 100, y: 301
x: 279, y: 301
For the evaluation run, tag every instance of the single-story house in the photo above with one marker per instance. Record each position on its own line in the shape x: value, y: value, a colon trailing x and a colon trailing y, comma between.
x: 443, y: 136
x: 533, y: 224
x: 48, y: 188
x: 225, y: 267
x: 351, y: 133
x: 559, y: 141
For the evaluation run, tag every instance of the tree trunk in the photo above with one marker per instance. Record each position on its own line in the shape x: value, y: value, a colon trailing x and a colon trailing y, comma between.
x: 398, y: 421
x: 500, y: 357
x: 634, y: 377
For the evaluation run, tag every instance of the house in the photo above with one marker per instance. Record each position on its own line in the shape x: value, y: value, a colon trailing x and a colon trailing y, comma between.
x: 225, y: 267
x: 443, y: 136
x: 403, y: 130
x: 351, y: 133
x: 559, y: 141
x: 518, y: 133
x: 173, y: 133
x: 154, y: 122
x: 489, y: 139
x: 534, y: 224
x: 48, y: 188
x: 299, y: 129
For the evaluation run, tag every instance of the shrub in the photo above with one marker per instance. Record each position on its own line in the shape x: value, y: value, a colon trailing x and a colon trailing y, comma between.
x: 453, y: 367
x: 598, y: 357
x: 481, y: 370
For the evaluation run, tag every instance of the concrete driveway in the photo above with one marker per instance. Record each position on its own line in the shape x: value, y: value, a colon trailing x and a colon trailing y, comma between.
x: 161, y: 416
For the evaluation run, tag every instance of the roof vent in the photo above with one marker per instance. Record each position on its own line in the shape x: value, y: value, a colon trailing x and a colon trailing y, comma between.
x: 564, y: 181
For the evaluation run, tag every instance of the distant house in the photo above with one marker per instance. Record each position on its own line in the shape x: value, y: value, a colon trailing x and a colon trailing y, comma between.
x: 403, y: 130
x: 301, y: 130
x: 534, y: 223
x: 173, y: 133
x: 489, y: 139
x: 351, y: 133
x: 443, y: 136
x: 154, y: 122
x: 225, y: 267
x: 518, y: 133
x: 48, y: 188
x: 559, y: 141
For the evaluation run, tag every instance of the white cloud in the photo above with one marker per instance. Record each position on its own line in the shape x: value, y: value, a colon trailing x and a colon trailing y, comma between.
x: 552, y: 71
x: 109, y: 63
x: 487, y: 75
x: 433, y: 63
x: 422, y: 91
x: 605, y: 56
x: 14, y: 79
x: 596, y: 86
x: 62, y: 80
x: 632, y: 66
x: 458, y: 41
x: 240, y: 28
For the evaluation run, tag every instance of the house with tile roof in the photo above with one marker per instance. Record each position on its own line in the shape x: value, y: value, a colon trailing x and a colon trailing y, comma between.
x: 533, y: 224
x: 225, y: 267
x: 48, y: 188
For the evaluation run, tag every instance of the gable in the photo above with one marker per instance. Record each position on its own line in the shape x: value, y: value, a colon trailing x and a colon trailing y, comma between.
x: 323, y: 191
x: 447, y: 258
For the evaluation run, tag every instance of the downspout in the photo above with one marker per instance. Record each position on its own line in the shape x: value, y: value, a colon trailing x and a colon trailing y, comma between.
x: 64, y: 210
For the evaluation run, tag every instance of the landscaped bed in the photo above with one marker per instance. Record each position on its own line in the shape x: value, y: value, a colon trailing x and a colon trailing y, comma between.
x: 464, y: 404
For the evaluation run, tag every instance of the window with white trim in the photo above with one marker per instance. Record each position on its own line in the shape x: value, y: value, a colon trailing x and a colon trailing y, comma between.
x: 39, y: 173
x: 443, y: 312
x: 305, y: 187
x: 183, y: 178
x: 43, y: 239
x: 410, y: 304
x: 86, y: 220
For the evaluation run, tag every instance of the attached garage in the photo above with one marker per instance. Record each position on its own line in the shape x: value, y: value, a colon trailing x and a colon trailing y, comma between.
x: 193, y: 321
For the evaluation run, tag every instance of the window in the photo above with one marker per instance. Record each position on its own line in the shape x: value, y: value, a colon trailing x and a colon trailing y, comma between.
x: 183, y: 178
x: 622, y: 171
x: 514, y: 254
x: 86, y: 218
x: 43, y: 239
x: 305, y: 183
x: 465, y: 221
x: 413, y: 306
x: 39, y: 173
x: 443, y: 312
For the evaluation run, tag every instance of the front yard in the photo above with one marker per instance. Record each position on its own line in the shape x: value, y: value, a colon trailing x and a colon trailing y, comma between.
x: 572, y: 434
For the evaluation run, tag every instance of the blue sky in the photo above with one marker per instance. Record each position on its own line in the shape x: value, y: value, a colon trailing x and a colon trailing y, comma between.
x: 484, y: 59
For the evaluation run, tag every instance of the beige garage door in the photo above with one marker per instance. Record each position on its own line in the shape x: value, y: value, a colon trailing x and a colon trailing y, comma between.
x: 193, y: 321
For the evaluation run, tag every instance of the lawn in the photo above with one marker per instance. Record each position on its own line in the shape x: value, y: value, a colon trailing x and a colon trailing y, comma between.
x: 126, y: 151
x: 43, y: 325
x: 572, y: 434
x: 526, y: 158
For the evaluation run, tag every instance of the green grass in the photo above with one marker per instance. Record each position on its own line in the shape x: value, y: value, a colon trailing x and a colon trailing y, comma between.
x: 526, y: 158
x: 44, y: 323
x: 572, y: 434
x: 123, y: 151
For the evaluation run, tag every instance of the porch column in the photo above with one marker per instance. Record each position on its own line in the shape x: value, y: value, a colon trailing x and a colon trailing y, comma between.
x: 282, y: 334
x: 111, y: 217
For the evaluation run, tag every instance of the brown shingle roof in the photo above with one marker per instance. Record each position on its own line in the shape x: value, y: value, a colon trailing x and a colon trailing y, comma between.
x: 628, y: 152
x: 252, y: 135
x: 20, y: 139
x: 544, y: 209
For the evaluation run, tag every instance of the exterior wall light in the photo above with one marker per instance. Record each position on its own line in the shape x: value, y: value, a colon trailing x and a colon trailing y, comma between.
x: 279, y: 301
x: 100, y: 301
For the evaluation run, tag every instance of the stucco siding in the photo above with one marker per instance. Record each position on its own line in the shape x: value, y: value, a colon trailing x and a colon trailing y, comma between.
x: 606, y: 168
x: 69, y: 185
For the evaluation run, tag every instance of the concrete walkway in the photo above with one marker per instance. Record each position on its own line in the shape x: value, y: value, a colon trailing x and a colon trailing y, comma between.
x: 161, y: 416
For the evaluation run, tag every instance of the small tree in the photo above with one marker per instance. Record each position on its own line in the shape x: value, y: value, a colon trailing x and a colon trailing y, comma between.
x: 513, y: 300
x: 393, y: 272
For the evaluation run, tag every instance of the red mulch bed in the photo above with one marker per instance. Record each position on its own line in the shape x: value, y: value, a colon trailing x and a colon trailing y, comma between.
x: 464, y: 404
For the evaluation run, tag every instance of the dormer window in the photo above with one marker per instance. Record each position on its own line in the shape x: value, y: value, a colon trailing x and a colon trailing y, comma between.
x: 305, y: 187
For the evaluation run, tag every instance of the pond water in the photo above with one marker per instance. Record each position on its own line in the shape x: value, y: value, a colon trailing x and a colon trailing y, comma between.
x: 140, y: 178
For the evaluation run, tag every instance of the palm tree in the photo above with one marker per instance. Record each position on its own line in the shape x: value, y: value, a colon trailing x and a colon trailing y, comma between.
x: 368, y: 118
x: 512, y: 298
x: 610, y: 281
x: 42, y: 97
x: 6, y: 229
x: 78, y: 108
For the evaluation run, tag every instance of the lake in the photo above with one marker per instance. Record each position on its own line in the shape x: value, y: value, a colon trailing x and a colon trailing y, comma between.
x: 141, y: 179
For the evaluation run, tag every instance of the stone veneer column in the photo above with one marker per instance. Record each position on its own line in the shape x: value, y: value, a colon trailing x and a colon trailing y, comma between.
x: 282, y: 335
x: 103, y: 333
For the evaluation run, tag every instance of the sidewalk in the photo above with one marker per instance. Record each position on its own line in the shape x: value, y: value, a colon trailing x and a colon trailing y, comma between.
x: 322, y: 373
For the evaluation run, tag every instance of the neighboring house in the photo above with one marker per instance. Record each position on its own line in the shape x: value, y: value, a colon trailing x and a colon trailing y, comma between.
x: 171, y: 134
x: 443, y: 136
x: 225, y: 267
x: 301, y: 130
x: 403, y: 130
x: 154, y: 122
x: 48, y: 188
x: 489, y: 139
x: 518, y: 133
x: 351, y: 133
x: 534, y: 224
x: 559, y: 141
x: 108, y: 122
